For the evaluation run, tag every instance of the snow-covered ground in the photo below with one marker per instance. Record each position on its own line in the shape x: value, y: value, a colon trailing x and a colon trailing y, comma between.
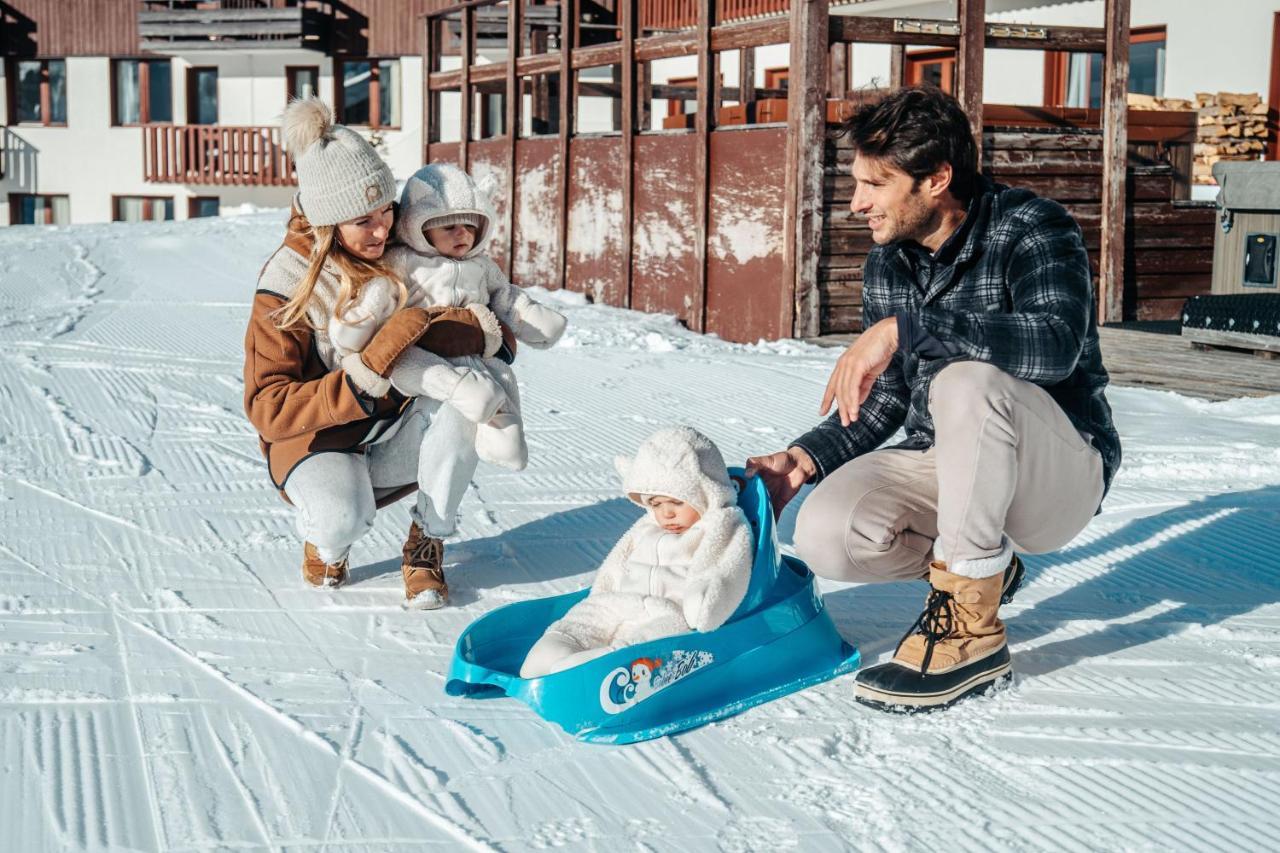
x: 166, y: 681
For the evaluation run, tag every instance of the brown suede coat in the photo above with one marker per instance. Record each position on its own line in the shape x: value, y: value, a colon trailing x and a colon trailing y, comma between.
x: 298, y: 406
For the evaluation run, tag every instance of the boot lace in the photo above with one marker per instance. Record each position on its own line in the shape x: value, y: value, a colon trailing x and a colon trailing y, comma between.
x: 426, y: 550
x: 935, y: 623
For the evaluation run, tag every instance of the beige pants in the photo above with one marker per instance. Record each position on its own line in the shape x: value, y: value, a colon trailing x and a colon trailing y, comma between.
x: 1008, y: 471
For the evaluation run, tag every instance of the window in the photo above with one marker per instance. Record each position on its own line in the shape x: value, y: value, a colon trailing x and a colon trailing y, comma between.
x: 142, y: 91
x: 776, y: 78
x: 1075, y: 79
x: 369, y: 93
x: 200, y: 206
x: 39, y: 209
x: 303, y: 81
x: 932, y: 66
x: 141, y: 208
x: 678, y: 106
x: 38, y: 91
x: 202, y: 95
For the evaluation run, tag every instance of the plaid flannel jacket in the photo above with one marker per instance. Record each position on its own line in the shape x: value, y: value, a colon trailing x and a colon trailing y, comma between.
x: 1015, y: 293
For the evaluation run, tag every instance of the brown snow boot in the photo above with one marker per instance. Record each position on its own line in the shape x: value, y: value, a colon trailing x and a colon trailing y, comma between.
x: 423, y: 570
x: 317, y: 572
x: 955, y: 648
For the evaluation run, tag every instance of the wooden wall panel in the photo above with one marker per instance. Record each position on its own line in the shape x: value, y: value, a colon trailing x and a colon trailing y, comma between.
x: 594, y: 252
x: 1168, y: 244
x: 58, y: 28
x: 664, y: 261
x: 393, y: 26
x: 747, y: 296
x: 488, y: 165
x: 536, y: 256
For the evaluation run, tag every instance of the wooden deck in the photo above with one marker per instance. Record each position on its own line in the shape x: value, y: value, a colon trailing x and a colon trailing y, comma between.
x: 1139, y: 359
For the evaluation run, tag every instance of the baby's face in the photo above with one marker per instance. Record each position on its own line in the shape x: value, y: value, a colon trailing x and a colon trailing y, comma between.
x: 672, y: 515
x: 453, y: 241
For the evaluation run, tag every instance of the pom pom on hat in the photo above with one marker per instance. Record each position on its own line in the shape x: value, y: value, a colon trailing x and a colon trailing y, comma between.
x: 306, y: 122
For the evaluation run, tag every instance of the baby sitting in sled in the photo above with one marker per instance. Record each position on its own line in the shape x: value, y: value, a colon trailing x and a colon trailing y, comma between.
x: 684, y: 566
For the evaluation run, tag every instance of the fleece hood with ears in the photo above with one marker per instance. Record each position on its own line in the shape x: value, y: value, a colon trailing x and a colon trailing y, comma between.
x: 681, y: 463
x: 442, y: 189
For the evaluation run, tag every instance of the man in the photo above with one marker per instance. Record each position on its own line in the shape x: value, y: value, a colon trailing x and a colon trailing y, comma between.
x: 979, y: 337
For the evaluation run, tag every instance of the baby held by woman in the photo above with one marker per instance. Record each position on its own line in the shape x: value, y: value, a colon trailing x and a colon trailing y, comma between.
x: 684, y: 566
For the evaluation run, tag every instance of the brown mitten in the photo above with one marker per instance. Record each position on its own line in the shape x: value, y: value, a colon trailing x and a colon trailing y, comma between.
x: 456, y: 331
x: 400, y: 332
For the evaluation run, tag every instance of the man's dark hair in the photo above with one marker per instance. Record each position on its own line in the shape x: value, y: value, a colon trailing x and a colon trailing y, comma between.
x: 917, y: 129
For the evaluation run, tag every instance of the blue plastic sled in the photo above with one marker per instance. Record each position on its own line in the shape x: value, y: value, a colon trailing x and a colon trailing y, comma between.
x: 781, y: 639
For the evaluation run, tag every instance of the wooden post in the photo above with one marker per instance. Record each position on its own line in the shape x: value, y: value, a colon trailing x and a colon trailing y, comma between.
x: 644, y: 95
x: 427, y: 50
x: 628, y: 12
x: 972, y: 16
x: 464, y: 87
x: 897, y: 66
x: 702, y: 164
x: 806, y: 139
x: 747, y: 78
x: 1115, y: 162
x: 838, y: 70
x: 515, y: 26
x: 568, y: 39
x: 1273, y: 94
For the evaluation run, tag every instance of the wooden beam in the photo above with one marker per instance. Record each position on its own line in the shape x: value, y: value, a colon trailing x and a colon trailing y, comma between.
x: 515, y: 26
x: 806, y: 139
x: 568, y: 39
x: 747, y: 75
x: 428, y: 51
x: 629, y: 18
x: 838, y: 70
x: 644, y: 95
x: 971, y: 15
x: 844, y: 28
x: 1115, y: 156
x: 464, y: 82
x: 897, y: 66
x: 702, y: 162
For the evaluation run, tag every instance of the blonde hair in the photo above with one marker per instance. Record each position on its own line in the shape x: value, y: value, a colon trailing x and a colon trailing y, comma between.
x: 353, y: 274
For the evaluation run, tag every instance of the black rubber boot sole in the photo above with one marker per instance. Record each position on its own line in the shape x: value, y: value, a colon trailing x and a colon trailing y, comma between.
x: 1012, y: 580
x: 894, y: 687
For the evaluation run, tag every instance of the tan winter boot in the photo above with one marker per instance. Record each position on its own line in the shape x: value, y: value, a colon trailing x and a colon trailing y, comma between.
x: 423, y: 570
x: 955, y: 648
x: 317, y: 572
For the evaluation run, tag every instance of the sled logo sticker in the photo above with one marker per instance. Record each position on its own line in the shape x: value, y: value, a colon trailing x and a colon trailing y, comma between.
x: 630, y: 685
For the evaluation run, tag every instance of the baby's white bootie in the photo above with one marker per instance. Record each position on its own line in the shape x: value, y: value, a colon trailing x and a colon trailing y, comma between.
x: 501, y: 441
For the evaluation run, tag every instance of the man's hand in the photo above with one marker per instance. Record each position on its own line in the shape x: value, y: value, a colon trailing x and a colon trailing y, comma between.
x: 784, y: 473
x: 857, y: 369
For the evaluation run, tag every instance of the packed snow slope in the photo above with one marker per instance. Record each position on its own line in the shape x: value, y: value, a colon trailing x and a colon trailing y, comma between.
x: 167, y: 682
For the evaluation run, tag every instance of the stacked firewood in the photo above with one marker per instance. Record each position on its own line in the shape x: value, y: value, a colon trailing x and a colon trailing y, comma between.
x: 1230, y: 126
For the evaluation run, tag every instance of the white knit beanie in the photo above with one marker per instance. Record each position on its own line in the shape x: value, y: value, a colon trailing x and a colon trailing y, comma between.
x: 465, y: 218
x: 340, y: 175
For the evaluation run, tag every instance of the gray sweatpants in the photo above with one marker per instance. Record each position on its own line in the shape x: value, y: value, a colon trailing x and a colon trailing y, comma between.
x: 1008, y: 471
x: 334, y: 493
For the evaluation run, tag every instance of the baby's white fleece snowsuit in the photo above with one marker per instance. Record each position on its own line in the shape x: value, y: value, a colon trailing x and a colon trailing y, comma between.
x: 483, y: 389
x: 655, y: 583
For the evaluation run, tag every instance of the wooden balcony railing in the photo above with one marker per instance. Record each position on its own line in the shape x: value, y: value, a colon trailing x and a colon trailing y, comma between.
x: 683, y: 14
x: 171, y: 26
x: 215, y: 154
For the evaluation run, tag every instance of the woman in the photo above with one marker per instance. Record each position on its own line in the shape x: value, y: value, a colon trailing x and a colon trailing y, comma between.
x: 339, y: 440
